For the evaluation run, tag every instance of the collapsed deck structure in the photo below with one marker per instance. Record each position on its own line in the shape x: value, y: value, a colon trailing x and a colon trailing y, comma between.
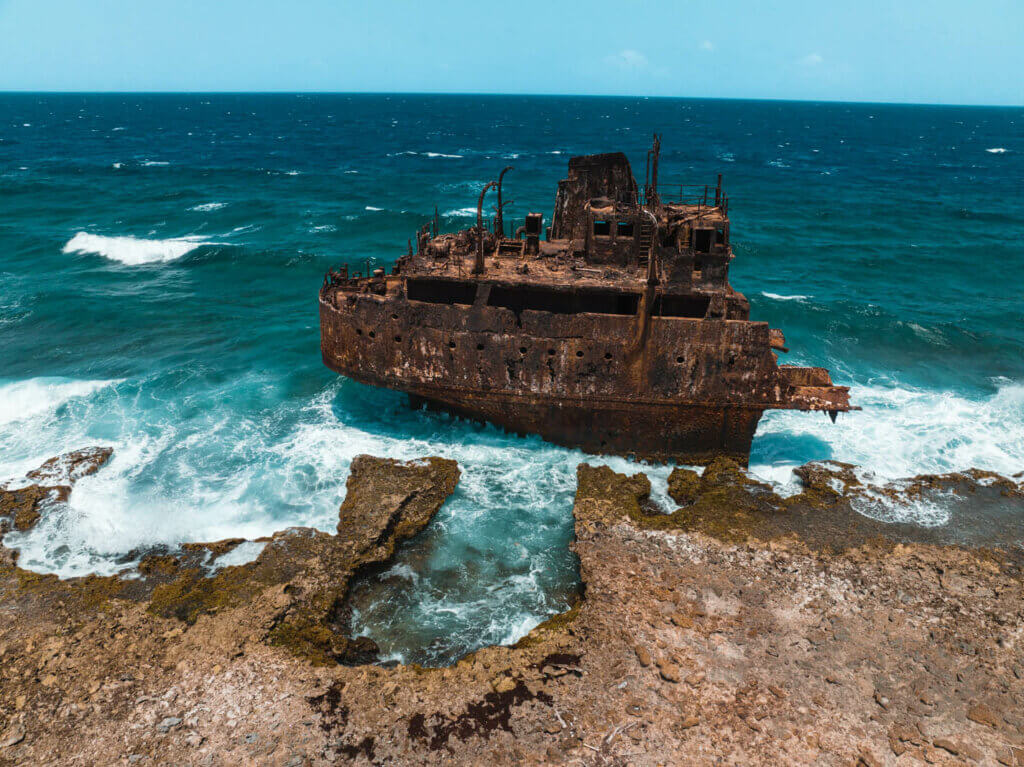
x: 614, y: 330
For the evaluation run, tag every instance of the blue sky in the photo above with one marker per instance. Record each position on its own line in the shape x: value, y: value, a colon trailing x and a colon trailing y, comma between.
x: 934, y: 51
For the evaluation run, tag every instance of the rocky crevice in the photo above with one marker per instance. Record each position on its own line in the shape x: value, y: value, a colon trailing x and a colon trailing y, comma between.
x: 742, y: 627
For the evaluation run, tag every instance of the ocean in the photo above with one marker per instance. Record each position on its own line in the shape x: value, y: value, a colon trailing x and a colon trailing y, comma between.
x: 160, y: 257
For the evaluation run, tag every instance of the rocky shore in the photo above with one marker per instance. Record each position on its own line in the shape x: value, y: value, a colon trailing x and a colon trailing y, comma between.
x: 741, y: 628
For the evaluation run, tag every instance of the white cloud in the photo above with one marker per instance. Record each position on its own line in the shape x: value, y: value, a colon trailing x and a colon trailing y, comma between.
x: 707, y: 45
x: 628, y: 60
x: 811, y: 60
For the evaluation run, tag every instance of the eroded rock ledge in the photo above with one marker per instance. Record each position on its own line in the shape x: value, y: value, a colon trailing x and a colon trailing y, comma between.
x: 742, y: 628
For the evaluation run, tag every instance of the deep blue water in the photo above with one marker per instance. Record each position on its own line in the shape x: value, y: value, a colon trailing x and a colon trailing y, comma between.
x: 160, y: 257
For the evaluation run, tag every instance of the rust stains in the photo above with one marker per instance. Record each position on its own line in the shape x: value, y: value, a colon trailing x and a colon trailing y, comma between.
x: 618, y: 332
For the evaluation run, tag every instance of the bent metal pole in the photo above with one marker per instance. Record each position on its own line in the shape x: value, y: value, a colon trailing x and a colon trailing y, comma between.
x: 478, y: 265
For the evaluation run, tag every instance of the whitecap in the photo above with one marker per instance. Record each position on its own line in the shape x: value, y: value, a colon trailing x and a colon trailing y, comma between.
x: 372, y: 208
x: 779, y: 297
x: 997, y: 150
x: 442, y: 154
x: 206, y: 207
x: 132, y: 251
x: 154, y: 163
x: 324, y: 228
x: 469, y: 210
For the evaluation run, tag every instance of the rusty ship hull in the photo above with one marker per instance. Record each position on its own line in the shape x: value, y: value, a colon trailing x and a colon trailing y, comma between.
x: 597, y: 417
x: 630, y: 342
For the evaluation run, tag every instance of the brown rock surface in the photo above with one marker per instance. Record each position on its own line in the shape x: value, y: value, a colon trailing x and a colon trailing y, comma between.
x: 52, y: 482
x: 810, y: 637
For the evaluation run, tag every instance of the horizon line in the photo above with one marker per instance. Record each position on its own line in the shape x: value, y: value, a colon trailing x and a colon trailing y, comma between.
x: 31, y: 92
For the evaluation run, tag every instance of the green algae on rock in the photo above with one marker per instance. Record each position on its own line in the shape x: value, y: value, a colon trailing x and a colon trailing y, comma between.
x: 726, y: 503
x: 298, y: 582
x: 388, y: 501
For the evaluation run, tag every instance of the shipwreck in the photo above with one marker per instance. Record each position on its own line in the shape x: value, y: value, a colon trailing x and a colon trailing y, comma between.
x: 614, y: 329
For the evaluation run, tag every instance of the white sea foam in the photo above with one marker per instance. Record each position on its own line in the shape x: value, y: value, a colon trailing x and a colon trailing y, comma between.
x: 469, y: 210
x: 425, y: 154
x: 401, y: 571
x: 997, y: 150
x: 35, y: 397
x: 371, y: 208
x: 242, y: 554
x: 233, y: 475
x: 206, y: 207
x: 901, y: 432
x: 132, y: 250
x: 154, y: 163
x: 778, y: 297
x: 519, y: 627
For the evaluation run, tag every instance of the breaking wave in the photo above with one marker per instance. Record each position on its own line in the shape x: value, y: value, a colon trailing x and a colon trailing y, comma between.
x: 901, y: 432
x: 133, y: 251
x: 997, y: 150
x: 206, y: 207
x: 36, y: 397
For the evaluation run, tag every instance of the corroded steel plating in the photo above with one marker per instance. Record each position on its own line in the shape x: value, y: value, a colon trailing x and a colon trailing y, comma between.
x: 617, y: 333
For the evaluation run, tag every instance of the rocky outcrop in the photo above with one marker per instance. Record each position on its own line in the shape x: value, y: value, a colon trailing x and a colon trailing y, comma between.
x: 307, y: 571
x: 741, y: 628
x: 51, y: 485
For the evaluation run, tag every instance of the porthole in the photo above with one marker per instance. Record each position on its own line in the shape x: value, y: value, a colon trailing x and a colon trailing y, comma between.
x: 394, y: 316
x: 451, y: 344
x: 398, y: 339
x: 680, y: 360
x: 359, y: 332
x: 551, y: 352
x: 371, y: 334
x: 479, y: 347
x: 607, y: 355
x: 579, y: 354
x: 522, y: 350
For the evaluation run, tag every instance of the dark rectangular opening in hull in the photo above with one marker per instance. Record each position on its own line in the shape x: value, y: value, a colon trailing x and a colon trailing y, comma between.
x: 441, y: 291
x: 564, y: 301
x: 694, y: 307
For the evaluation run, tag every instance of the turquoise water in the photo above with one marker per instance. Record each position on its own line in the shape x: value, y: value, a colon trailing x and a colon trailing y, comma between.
x: 160, y: 258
